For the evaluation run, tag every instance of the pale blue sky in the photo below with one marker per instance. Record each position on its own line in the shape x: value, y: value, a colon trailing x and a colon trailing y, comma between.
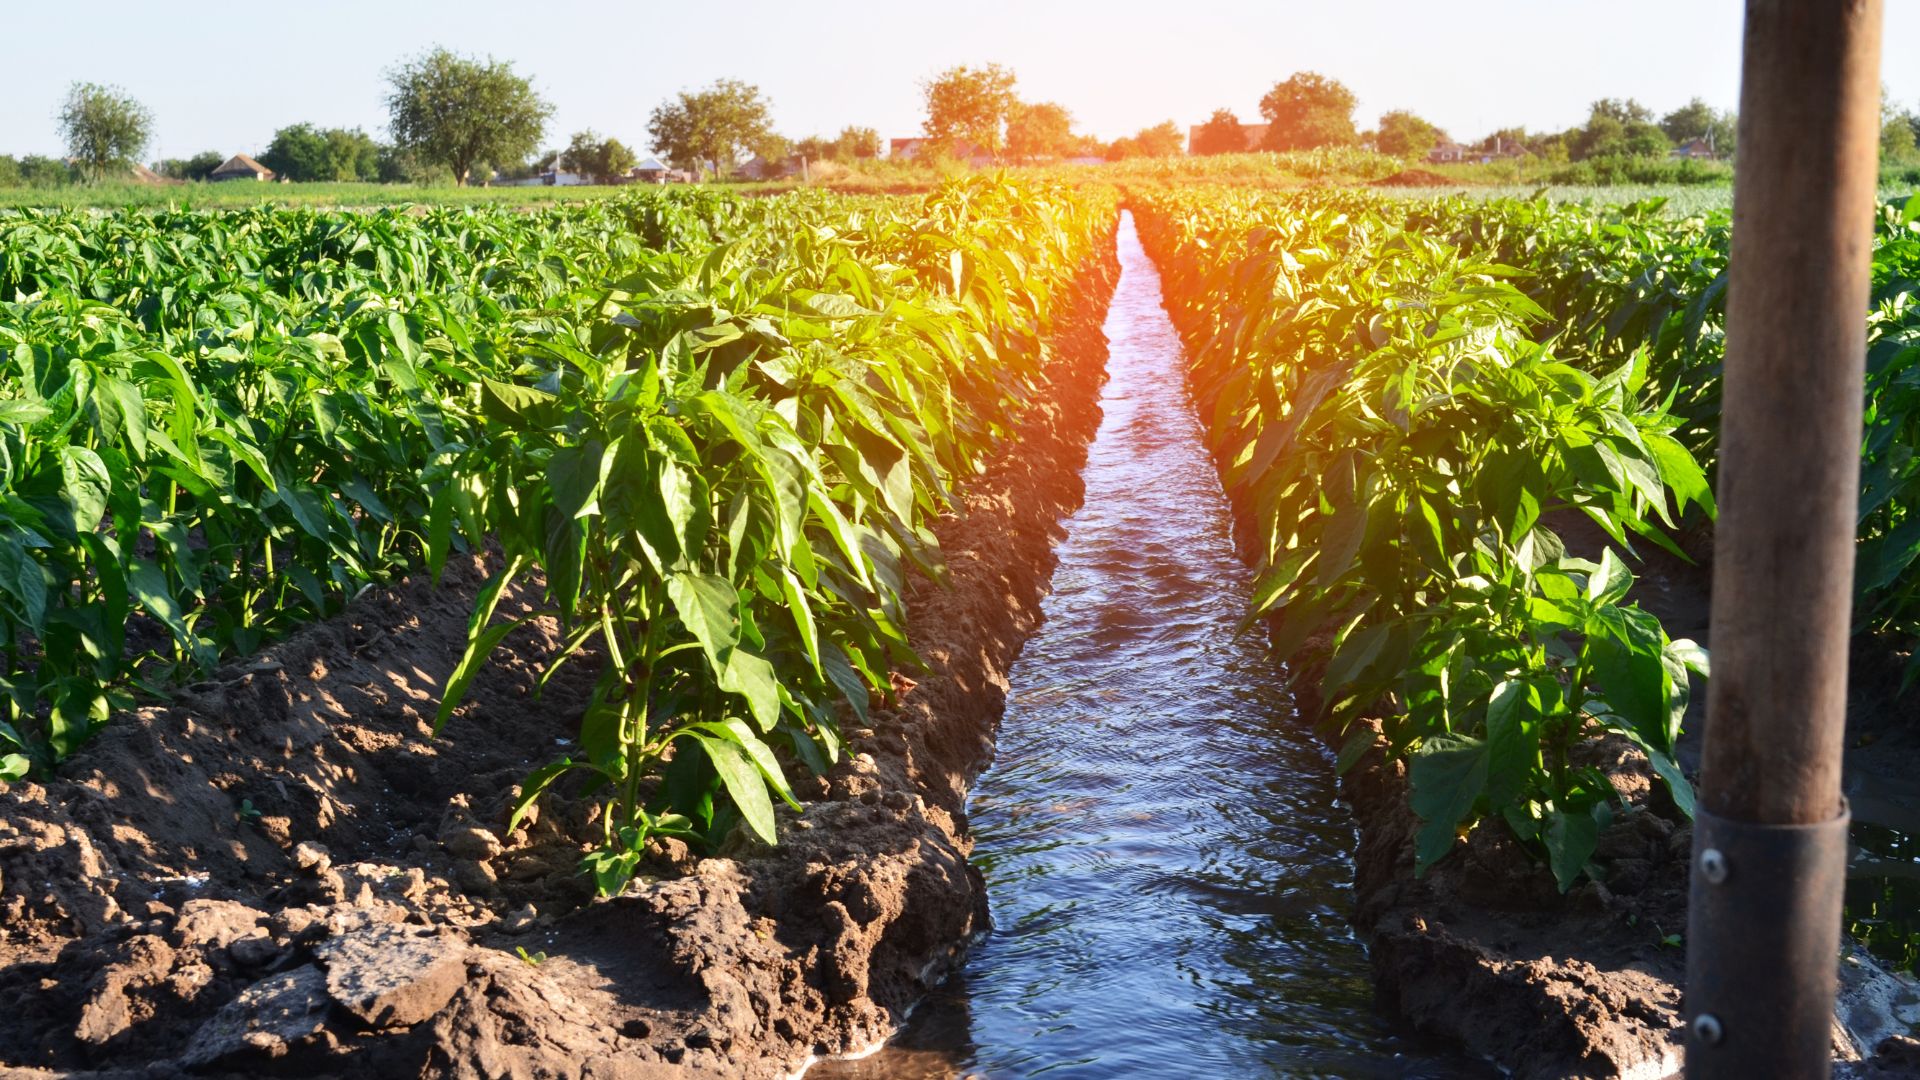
x: 223, y: 74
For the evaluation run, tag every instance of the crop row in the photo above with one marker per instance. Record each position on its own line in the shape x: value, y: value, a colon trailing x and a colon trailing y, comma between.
x: 709, y: 432
x: 1409, y: 398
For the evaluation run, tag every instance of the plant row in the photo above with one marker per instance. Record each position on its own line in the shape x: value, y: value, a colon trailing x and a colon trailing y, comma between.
x: 1387, y: 416
x: 1408, y: 396
x: 707, y: 433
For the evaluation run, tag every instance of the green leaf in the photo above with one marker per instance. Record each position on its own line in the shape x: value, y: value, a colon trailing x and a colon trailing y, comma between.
x: 753, y: 677
x: 534, y: 786
x: 481, y: 639
x: 1448, y: 774
x: 743, y: 783
x: 1570, y: 838
x: 708, y: 607
x: 1513, y: 719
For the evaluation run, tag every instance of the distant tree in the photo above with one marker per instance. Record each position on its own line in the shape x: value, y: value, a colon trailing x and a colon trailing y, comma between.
x: 9, y: 171
x: 855, y: 143
x: 815, y: 149
x: 1403, y: 134
x: 198, y: 167
x: 1625, y: 111
x: 1308, y: 110
x: 395, y: 164
x: 713, y: 128
x: 1508, y: 140
x: 299, y: 153
x: 1160, y: 140
x: 1898, y: 131
x: 1897, y: 139
x: 600, y: 159
x: 306, y: 154
x: 40, y: 171
x: 1618, y: 128
x: 1221, y: 134
x: 354, y: 154
x: 463, y: 113
x: 1698, y: 120
x: 1038, y: 130
x: 104, y: 128
x: 971, y: 104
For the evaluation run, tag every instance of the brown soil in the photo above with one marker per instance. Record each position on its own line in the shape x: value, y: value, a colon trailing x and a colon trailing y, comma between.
x: 279, y: 872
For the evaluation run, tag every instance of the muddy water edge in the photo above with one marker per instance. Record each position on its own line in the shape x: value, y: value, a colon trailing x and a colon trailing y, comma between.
x: 1164, y: 850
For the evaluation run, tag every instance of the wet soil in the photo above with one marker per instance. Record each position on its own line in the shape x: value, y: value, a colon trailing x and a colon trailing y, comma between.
x: 279, y: 871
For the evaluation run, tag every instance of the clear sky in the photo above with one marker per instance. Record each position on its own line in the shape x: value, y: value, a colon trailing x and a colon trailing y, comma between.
x: 224, y: 74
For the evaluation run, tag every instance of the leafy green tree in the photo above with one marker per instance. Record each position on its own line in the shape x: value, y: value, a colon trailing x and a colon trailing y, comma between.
x: 1403, y: 134
x: 298, y: 152
x: 464, y: 113
x: 1161, y: 140
x: 1038, y: 130
x: 395, y: 164
x: 715, y: 127
x: 972, y: 104
x: 40, y: 171
x: 1698, y: 120
x: 198, y: 167
x: 855, y: 143
x: 104, y: 128
x: 354, y: 154
x: 816, y: 149
x: 9, y: 171
x: 1617, y: 128
x: 306, y: 154
x: 1308, y: 110
x: 1624, y: 111
x: 601, y: 159
x: 1221, y: 134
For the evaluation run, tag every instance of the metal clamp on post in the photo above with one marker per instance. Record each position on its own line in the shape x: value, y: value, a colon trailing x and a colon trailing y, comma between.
x: 1749, y: 964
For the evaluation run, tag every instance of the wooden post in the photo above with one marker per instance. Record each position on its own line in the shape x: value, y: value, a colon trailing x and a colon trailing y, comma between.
x: 1770, y: 843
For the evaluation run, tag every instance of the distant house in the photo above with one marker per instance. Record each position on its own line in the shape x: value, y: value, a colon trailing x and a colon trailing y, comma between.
x: 1700, y: 149
x: 1253, y: 134
x: 761, y: 169
x: 241, y: 167
x: 143, y: 175
x: 1447, y: 151
x: 650, y: 171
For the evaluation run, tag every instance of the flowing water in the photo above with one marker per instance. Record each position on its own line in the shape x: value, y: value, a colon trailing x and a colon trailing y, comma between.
x: 1166, y: 860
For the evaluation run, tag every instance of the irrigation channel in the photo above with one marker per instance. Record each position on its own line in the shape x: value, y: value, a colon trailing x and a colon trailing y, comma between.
x: 1165, y: 857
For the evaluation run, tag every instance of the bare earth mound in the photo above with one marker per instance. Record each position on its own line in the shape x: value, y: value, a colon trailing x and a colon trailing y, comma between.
x: 279, y: 872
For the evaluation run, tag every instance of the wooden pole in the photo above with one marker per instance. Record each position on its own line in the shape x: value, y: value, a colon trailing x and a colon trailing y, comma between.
x: 1805, y: 178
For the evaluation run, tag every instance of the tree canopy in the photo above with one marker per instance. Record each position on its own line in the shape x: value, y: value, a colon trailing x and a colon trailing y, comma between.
x: 600, y: 159
x: 857, y: 142
x: 464, y: 113
x: 1403, y: 134
x: 306, y: 154
x: 715, y: 127
x: 104, y: 128
x: 1307, y: 111
x: 1161, y: 140
x: 1039, y: 130
x: 1221, y: 134
x: 198, y: 167
x: 972, y: 104
x: 1698, y: 120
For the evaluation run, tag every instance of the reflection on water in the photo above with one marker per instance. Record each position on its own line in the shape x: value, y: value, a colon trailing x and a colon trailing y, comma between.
x: 1166, y: 862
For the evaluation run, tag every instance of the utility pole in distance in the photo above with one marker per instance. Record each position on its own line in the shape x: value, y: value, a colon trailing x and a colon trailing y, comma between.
x: 1763, y: 931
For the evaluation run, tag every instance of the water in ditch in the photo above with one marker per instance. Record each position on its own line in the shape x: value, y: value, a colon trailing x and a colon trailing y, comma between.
x: 1166, y: 860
